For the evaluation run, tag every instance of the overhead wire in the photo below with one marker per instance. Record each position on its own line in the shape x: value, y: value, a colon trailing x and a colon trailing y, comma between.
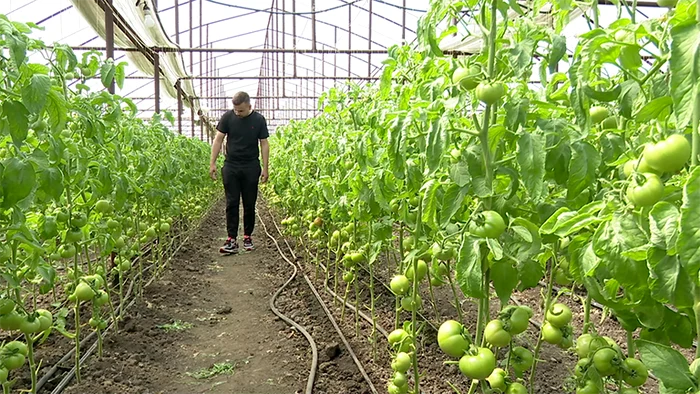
x: 282, y: 12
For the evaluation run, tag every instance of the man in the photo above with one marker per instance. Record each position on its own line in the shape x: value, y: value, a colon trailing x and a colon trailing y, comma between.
x: 244, y: 129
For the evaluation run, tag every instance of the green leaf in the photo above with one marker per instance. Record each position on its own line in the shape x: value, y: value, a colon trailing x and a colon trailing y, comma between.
x: 120, y: 74
x: 583, y: 260
x: 385, y: 83
x: 452, y: 201
x: 604, y: 95
x: 495, y: 248
x: 612, y: 239
x: 685, y: 70
x: 469, y: 273
x: 530, y: 274
x: 667, y: 364
x: 658, y: 108
x: 35, y: 93
x: 531, y: 158
x: 584, y: 163
x: 17, y: 118
x: 670, y: 282
x: 505, y: 278
x: 56, y: 108
x: 688, y: 244
x: 18, y: 180
x: 430, y: 201
x: 459, y: 174
x: 630, y: 91
x: 18, y: 48
x: 437, y: 136
x: 51, y: 181
x: 663, y: 223
x: 107, y: 73
x: 557, y: 52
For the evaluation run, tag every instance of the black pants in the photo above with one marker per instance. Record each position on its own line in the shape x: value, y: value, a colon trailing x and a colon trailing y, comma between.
x: 240, y: 182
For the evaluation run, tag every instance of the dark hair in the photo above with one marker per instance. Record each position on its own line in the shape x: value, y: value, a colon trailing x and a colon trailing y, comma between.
x: 240, y: 98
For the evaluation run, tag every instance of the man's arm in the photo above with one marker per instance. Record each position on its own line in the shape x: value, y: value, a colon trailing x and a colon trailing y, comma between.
x: 265, y: 150
x: 215, y: 149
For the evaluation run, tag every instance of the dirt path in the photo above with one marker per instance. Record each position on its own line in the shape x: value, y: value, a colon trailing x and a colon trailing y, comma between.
x: 225, y: 299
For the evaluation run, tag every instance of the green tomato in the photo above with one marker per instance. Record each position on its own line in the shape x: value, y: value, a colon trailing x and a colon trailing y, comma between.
x: 490, y: 93
x: 636, y: 373
x: 400, y: 284
x: 164, y: 227
x: 566, y: 342
x: 561, y: 278
x: 519, y: 320
x: 401, y: 363
x: 497, y: 380
x: 598, y: 114
x: 583, y: 344
x: 467, y: 78
x: 521, y: 359
x: 667, y: 3
x: 551, y: 334
x: 3, y: 375
x: 14, y: 361
x: 6, y: 306
x: 581, y: 367
x: 394, y: 389
x: 516, y: 388
x: 452, y: 339
x: 50, y: 227
x: 559, y: 315
x: 645, y: 194
x: 589, y: 388
x: 74, y: 235
x: 83, y: 292
x: 399, y: 379
x: 79, y: 219
x: 101, y: 298
x: 104, y: 206
x: 669, y: 155
x: 628, y: 390
x: 606, y: 361
x: 408, y: 304
x: 30, y: 325
x: 348, y: 276
x: 151, y: 232
x: 62, y: 216
x: 11, y: 321
x: 401, y: 338
x: 478, y: 366
x: 422, y: 270
x: 45, y: 318
x: 495, y: 334
x: 487, y: 224
x: 610, y: 123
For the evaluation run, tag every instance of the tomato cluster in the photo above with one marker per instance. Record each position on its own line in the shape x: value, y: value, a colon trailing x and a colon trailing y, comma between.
x: 557, y: 329
x: 602, y: 355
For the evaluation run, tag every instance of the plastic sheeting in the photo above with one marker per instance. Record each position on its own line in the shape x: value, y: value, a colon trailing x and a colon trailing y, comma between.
x: 172, y: 64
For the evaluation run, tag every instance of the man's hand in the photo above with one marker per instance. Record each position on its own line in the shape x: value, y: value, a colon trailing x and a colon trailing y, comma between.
x: 212, y: 171
x: 264, y: 176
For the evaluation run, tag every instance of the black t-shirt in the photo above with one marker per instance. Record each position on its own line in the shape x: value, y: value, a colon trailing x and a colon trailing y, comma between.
x: 242, y: 135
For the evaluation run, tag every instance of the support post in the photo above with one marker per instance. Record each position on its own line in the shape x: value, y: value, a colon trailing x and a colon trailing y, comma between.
x: 156, y: 81
x: 191, y: 40
x: 294, y: 34
x: 313, y: 24
x: 284, y: 45
x: 369, y: 40
x: 179, y: 107
x: 177, y: 22
x: 109, y: 37
x: 403, y: 23
x: 349, y: 37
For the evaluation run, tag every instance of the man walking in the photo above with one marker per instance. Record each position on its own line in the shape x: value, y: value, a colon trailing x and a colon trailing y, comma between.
x: 244, y: 130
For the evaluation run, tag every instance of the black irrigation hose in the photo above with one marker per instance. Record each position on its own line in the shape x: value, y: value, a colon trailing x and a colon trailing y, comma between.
x: 328, y: 313
x: 69, y: 376
x: 314, y: 348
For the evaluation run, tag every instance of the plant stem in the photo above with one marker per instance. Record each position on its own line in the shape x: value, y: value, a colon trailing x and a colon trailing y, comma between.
x: 335, y: 275
x: 587, y: 314
x: 432, y: 296
x: 696, y: 310
x: 630, y: 344
x: 547, y: 302
x: 345, y: 301
x: 458, y: 306
x: 357, y: 308
x: 32, y: 362
x: 416, y: 376
x: 77, y: 321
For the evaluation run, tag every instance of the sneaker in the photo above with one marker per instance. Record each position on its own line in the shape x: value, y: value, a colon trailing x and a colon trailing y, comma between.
x: 247, y: 243
x: 230, y: 246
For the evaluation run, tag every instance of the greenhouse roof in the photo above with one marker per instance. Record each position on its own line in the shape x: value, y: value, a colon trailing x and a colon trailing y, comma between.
x: 244, y: 37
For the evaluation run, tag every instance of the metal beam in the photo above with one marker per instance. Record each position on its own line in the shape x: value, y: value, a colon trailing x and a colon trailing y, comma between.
x: 252, y: 50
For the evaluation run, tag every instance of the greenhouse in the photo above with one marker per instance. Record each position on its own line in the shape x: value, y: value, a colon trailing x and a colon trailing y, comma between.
x: 349, y: 196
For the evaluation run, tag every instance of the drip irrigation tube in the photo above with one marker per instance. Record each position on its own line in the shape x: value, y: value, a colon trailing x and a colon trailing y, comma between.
x: 314, y: 348
x: 328, y: 313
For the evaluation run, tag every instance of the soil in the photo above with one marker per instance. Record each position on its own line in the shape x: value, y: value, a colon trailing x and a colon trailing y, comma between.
x: 222, y: 302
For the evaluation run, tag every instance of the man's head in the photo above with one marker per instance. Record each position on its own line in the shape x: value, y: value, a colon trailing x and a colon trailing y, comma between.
x: 241, y: 104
